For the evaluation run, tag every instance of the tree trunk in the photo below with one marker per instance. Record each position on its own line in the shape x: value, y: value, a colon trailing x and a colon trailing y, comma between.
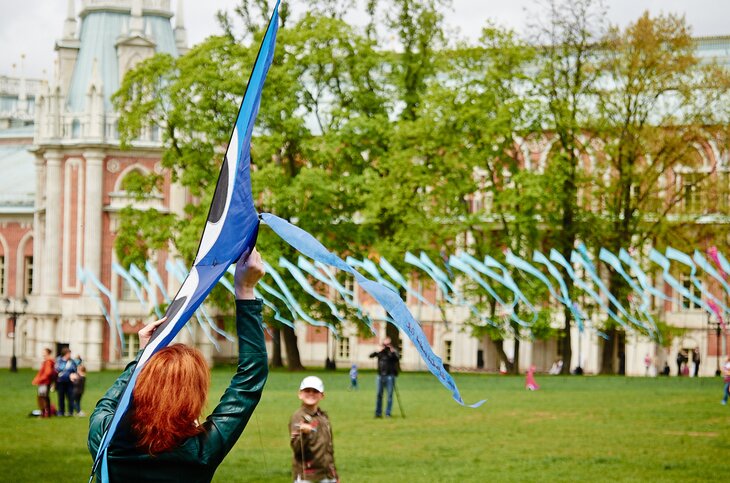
x: 292, y: 351
x: 566, y: 351
x: 499, y: 344
x: 607, y: 352
x: 516, y: 358
x: 276, y: 360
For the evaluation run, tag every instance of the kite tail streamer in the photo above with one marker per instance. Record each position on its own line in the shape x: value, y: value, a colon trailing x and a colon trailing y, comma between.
x: 400, y: 280
x: 139, y: 275
x: 112, y: 302
x: 81, y: 273
x: 292, y: 301
x: 391, y: 302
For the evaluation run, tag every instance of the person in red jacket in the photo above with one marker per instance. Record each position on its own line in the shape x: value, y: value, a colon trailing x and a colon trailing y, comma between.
x: 43, y: 380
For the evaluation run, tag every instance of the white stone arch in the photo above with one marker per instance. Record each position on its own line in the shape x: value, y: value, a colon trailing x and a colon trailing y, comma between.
x: 131, y: 62
x: 19, y: 265
x: 126, y: 171
x: 544, y: 153
x: 6, y: 254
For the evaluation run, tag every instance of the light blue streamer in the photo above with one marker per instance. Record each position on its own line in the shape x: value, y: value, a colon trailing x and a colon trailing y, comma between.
x: 441, y: 275
x: 471, y: 273
x: 665, y: 264
x: 292, y: 301
x: 565, y: 294
x: 141, y: 277
x: 612, y: 260
x: 87, y: 275
x: 708, y: 268
x: 391, y: 302
x: 401, y: 280
x: 583, y: 260
x: 325, y: 270
x: 119, y: 270
x: 302, y: 280
x: 683, y: 258
x: 347, y: 295
x: 415, y: 261
x: 81, y: 274
x: 509, y: 282
x: 558, y: 257
x: 643, y: 279
x: 372, y: 270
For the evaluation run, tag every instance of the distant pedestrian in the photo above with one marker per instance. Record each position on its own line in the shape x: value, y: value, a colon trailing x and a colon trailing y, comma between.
x: 726, y: 379
x: 696, y: 360
x: 79, y: 383
x: 680, y: 360
x: 647, y: 364
x: 530, y: 382
x: 65, y: 366
x: 45, y: 377
x: 387, y: 372
x: 353, y: 378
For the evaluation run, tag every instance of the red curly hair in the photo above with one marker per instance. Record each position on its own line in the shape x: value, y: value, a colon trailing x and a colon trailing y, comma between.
x: 169, y: 396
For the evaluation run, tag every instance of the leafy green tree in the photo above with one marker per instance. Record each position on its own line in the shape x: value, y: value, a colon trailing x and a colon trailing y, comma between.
x: 565, y: 83
x: 659, y: 108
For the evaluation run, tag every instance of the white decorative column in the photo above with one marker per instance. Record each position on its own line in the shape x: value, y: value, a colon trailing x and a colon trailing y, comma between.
x: 93, y: 212
x: 92, y: 346
x: 51, y: 260
x: 38, y: 230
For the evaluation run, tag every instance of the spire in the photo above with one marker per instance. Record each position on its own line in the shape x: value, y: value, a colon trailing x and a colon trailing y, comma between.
x: 22, y: 91
x: 95, y: 104
x: 69, y: 25
x: 181, y: 36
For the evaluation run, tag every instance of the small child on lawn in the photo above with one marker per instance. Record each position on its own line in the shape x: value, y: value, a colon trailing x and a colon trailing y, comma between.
x: 311, y: 437
x: 353, y: 377
x: 79, y: 384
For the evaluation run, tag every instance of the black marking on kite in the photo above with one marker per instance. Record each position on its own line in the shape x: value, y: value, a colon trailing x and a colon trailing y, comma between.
x: 218, y: 205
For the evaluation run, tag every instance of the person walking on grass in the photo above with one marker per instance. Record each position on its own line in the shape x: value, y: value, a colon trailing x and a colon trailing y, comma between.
x: 387, y: 372
x: 353, y: 378
x: 65, y: 366
x: 726, y: 380
x: 311, y: 437
x: 79, y: 384
x: 161, y: 438
x: 45, y: 377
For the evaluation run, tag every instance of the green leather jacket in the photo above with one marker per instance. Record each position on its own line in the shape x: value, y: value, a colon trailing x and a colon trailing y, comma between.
x: 197, y: 458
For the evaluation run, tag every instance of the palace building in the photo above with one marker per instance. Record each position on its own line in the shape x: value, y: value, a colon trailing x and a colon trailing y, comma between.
x: 63, y: 186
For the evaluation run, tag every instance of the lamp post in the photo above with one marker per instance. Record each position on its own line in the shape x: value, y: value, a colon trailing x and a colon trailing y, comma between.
x: 12, y: 310
x: 717, y: 326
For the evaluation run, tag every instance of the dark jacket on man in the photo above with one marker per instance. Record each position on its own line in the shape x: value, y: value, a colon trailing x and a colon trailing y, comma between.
x: 387, y: 361
x: 196, y: 459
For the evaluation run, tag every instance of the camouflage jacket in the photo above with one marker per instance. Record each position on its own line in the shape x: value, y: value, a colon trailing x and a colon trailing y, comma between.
x: 315, y: 448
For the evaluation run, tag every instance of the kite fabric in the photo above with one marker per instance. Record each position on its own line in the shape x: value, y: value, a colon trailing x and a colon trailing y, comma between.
x: 230, y: 230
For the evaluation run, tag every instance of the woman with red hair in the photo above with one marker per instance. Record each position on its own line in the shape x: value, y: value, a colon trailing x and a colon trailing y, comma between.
x: 160, y: 438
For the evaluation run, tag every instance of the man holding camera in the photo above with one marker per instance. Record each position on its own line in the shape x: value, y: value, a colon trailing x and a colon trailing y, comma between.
x: 387, y: 372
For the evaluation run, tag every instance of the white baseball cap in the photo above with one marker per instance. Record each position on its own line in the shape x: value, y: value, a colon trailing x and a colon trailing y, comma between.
x: 312, y: 382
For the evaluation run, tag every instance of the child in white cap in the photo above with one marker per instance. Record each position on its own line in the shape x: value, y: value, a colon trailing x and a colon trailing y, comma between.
x: 311, y: 437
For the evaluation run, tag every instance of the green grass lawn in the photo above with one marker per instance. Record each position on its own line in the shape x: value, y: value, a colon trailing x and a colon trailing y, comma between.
x: 573, y: 429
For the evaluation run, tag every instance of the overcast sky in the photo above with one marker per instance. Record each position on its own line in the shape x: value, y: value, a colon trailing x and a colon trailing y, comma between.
x: 32, y: 27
